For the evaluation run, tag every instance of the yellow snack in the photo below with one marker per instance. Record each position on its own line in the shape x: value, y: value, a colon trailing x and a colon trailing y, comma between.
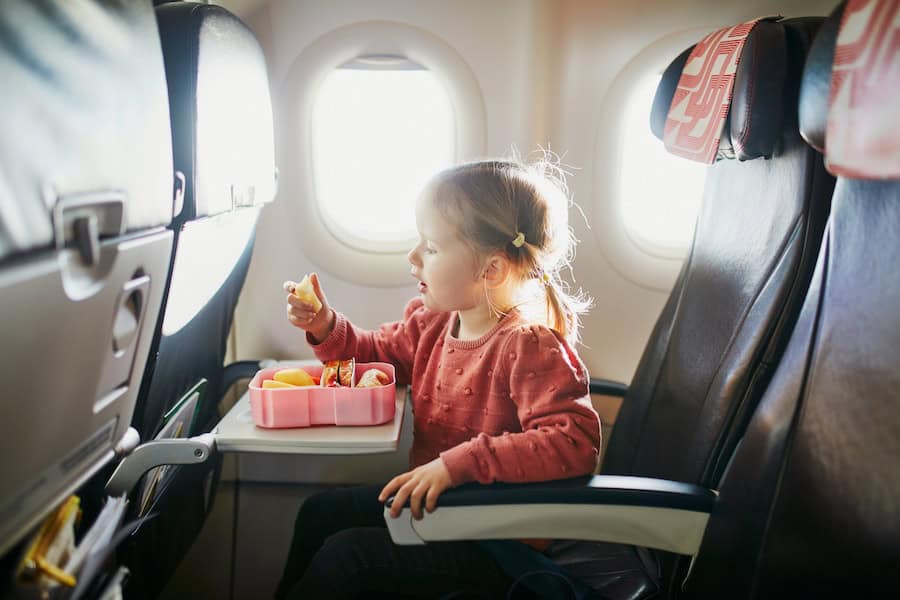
x: 297, y: 377
x: 270, y: 384
x: 304, y: 291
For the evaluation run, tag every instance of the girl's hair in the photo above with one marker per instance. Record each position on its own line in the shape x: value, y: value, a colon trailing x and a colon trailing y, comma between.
x: 521, y: 209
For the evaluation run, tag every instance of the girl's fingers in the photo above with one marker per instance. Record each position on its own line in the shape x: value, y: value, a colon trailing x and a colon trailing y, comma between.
x: 393, y: 485
x: 399, y: 501
x: 299, y: 317
x: 431, y: 499
x: 386, y: 492
x: 317, y: 288
x: 299, y: 304
x: 401, y: 497
x: 302, y: 315
x: 415, y: 499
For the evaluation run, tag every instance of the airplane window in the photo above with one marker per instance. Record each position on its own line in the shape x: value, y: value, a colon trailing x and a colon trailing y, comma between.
x: 381, y: 126
x: 659, y: 193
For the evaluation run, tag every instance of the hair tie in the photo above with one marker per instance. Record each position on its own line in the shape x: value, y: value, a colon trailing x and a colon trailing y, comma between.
x: 545, y: 277
x: 519, y: 239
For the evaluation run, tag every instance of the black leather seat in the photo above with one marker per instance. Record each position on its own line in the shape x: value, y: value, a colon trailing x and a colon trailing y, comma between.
x: 810, y: 506
x: 222, y: 134
x: 732, y: 309
x: 725, y: 326
x: 86, y: 194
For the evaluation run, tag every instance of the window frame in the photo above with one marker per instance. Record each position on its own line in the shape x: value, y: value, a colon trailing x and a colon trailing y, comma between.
x: 642, y: 241
x: 376, y: 268
x: 373, y: 62
x: 638, y: 261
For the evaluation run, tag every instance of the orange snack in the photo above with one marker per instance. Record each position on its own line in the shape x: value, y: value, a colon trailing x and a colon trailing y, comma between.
x: 338, y: 373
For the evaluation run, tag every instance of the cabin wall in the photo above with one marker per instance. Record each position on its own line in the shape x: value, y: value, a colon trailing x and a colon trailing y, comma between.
x: 551, y: 73
x: 545, y: 69
x: 498, y: 40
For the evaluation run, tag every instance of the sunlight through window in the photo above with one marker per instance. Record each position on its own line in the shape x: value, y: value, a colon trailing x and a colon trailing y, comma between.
x: 659, y: 193
x: 381, y: 127
x: 208, y: 251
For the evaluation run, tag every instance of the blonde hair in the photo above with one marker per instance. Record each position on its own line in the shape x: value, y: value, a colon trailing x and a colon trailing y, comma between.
x: 520, y: 209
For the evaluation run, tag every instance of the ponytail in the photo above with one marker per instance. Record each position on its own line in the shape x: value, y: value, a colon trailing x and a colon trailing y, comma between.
x: 521, y: 209
x: 564, y: 309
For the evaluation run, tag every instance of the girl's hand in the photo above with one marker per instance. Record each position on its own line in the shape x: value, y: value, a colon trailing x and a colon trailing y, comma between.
x: 427, y: 481
x: 302, y: 314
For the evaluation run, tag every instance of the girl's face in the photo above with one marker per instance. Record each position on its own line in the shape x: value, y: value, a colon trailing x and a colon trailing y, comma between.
x: 447, y: 268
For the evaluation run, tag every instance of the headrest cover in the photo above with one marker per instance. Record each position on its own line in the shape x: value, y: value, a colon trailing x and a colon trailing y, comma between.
x: 703, y: 96
x: 718, y: 89
x: 863, y: 131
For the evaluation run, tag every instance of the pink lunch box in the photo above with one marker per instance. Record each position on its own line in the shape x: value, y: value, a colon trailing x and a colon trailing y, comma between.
x: 313, y: 405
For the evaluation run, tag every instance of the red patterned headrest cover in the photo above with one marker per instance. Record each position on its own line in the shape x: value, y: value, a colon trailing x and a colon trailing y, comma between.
x: 862, y: 138
x: 701, y: 101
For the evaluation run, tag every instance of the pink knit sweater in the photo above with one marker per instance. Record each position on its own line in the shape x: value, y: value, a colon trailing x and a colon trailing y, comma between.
x: 511, y: 406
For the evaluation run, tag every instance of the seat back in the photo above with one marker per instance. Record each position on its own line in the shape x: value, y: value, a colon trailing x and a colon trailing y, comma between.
x: 86, y: 191
x: 809, y: 507
x: 222, y: 135
x: 734, y: 303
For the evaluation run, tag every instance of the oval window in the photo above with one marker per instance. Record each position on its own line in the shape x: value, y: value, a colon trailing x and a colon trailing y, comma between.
x: 381, y: 127
x: 659, y: 193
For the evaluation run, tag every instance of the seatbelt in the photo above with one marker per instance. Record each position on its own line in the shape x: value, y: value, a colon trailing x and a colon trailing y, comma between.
x: 532, y: 570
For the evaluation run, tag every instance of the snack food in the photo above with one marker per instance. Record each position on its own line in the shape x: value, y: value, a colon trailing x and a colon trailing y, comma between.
x: 313, y: 405
x: 297, y: 377
x: 373, y: 378
x: 338, y: 373
x: 304, y: 290
x: 271, y: 384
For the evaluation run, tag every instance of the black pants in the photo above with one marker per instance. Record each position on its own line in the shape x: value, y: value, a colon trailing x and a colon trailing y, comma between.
x: 342, y: 549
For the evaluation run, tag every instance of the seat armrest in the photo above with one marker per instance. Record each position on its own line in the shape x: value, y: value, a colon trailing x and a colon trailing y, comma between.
x: 654, y: 513
x: 242, y: 369
x: 607, y: 387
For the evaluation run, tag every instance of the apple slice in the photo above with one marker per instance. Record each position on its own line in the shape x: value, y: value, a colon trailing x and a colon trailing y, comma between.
x: 304, y: 291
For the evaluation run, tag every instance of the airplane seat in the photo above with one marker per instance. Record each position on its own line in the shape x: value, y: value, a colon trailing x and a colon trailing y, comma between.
x: 222, y: 134
x: 809, y: 507
x: 724, y: 327
x: 727, y: 321
x: 86, y: 195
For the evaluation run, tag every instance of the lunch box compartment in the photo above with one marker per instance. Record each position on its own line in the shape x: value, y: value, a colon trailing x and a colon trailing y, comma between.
x: 315, y: 405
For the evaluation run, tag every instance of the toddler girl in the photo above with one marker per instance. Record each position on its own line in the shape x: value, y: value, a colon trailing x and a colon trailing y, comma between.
x: 499, y: 393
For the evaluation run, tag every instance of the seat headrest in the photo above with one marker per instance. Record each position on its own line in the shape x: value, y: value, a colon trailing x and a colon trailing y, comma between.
x: 857, y: 54
x: 731, y: 83
x: 222, y: 129
x: 816, y: 82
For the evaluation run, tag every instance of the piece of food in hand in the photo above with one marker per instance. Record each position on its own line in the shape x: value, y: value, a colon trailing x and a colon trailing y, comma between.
x: 373, y: 378
x: 271, y: 384
x: 338, y: 373
x: 297, y: 377
x: 304, y: 290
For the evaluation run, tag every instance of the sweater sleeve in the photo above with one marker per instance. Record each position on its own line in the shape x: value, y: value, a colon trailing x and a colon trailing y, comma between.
x: 560, y: 435
x: 393, y: 343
